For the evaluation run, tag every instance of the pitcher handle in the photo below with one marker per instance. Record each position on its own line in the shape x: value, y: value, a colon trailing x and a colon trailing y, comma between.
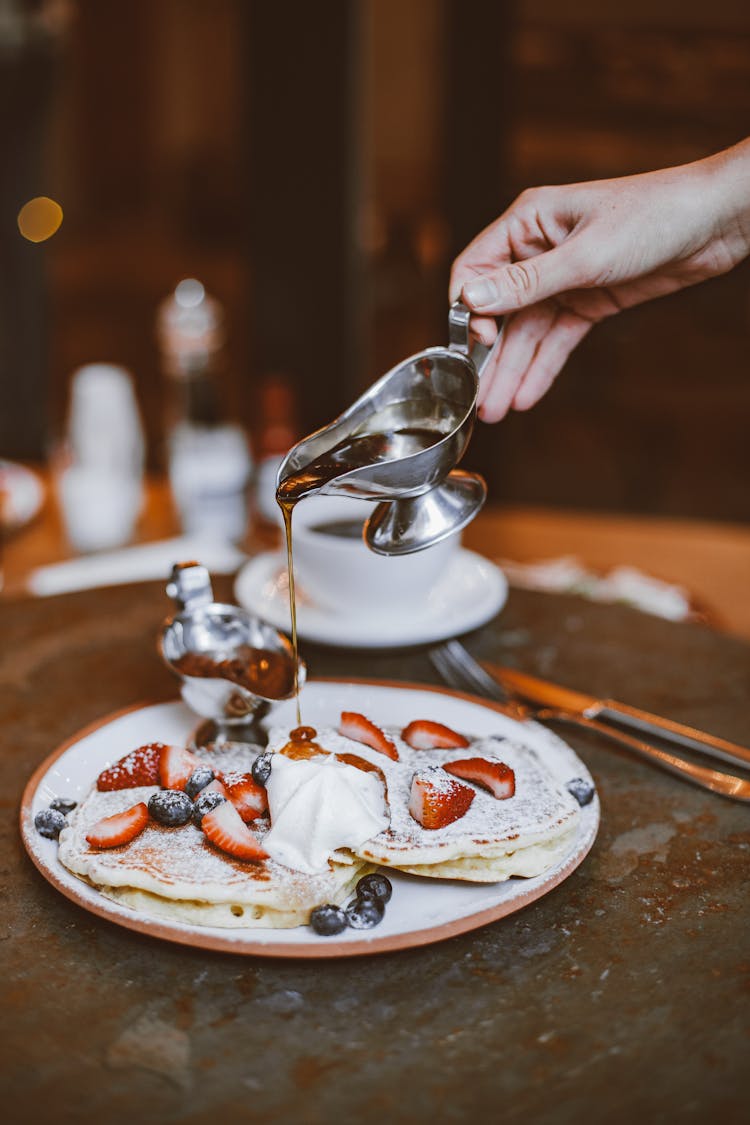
x: 458, y: 328
x: 459, y: 340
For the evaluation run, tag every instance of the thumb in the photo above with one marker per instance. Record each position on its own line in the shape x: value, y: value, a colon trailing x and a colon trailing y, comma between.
x: 519, y: 284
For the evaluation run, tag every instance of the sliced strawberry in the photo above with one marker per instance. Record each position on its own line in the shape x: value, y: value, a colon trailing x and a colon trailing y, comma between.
x: 111, y: 831
x: 224, y: 828
x: 436, y: 799
x: 423, y: 734
x: 139, y: 767
x: 249, y: 798
x: 175, y: 767
x: 495, y: 776
x: 356, y: 726
x: 215, y: 786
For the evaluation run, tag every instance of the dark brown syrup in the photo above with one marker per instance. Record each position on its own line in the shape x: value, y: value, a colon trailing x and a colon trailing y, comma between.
x: 356, y: 453
x: 259, y: 670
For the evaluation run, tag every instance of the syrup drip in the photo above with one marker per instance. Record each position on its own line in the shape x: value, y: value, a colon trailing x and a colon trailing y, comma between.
x: 287, y: 507
x: 301, y: 746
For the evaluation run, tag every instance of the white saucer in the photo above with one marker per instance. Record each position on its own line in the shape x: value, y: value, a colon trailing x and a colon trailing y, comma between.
x: 471, y: 591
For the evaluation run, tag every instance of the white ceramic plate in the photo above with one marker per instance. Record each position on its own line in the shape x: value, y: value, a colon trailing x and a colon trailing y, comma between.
x: 24, y: 494
x: 421, y: 910
x: 470, y: 592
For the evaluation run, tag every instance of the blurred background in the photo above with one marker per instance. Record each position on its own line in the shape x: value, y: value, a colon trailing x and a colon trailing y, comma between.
x: 316, y: 168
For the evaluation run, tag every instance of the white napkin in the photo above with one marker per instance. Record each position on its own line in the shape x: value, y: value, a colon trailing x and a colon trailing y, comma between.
x: 621, y: 584
x: 134, y: 564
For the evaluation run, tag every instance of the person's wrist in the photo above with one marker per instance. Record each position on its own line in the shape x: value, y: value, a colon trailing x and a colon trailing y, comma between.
x: 726, y: 184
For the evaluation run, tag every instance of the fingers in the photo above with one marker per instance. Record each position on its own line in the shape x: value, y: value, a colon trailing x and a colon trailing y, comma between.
x: 484, y: 329
x: 519, y: 284
x: 535, y: 346
x: 563, y: 336
x: 521, y: 338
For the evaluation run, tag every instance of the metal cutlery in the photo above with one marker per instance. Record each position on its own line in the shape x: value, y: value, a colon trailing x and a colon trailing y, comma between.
x: 461, y: 670
x: 542, y: 693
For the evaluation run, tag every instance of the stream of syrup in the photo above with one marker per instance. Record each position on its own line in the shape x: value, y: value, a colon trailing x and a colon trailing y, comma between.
x: 287, y: 507
x: 355, y: 452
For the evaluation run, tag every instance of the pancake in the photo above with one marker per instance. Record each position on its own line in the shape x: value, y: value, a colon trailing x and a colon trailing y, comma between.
x: 524, y: 835
x: 177, y: 873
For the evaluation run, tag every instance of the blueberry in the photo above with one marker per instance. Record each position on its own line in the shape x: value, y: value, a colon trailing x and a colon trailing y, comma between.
x: 375, y: 886
x: 204, y: 803
x: 328, y: 920
x: 49, y: 823
x: 364, y: 913
x: 63, y: 805
x: 170, y: 807
x: 261, y: 768
x: 583, y: 791
x: 199, y: 779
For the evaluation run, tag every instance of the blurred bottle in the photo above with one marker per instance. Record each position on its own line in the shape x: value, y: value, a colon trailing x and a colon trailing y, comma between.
x: 100, y: 482
x: 208, y: 457
x: 276, y: 431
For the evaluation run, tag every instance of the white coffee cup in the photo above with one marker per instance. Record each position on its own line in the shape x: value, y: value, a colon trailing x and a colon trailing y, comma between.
x: 337, y: 571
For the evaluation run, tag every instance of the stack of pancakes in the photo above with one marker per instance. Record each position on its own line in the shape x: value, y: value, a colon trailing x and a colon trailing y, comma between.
x: 177, y: 873
x: 524, y: 835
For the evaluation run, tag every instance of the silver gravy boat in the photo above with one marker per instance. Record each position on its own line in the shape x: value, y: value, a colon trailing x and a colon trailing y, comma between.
x: 421, y: 497
x: 208, y: 629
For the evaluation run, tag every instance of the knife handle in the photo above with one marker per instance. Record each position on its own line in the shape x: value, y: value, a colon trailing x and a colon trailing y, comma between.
x: 725, y: 784
x: 678, y: 733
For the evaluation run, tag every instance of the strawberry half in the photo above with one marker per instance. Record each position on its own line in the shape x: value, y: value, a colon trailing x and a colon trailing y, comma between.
x: 139, y: 767
x: 175, y: 767
x: 224, y: 828
x: 356, y: 726
x: 249, y: 798
x: 215, y: 786
x: 111, y: 831
x: 436, y: 800
x: 423, y: 734
x: 495, y: 776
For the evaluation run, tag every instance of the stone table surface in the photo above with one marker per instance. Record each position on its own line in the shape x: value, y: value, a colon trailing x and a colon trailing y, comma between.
x: 622, y: 995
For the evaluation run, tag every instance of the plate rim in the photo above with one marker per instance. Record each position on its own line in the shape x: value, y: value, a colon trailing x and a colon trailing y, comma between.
x: 426, y: 636
x: 182, y: 934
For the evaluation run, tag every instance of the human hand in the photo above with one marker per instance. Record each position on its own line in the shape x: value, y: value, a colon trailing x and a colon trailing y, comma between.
x: 560, y: 259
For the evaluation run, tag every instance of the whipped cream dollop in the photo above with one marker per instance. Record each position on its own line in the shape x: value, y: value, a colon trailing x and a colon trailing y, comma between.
x: 318, y: 805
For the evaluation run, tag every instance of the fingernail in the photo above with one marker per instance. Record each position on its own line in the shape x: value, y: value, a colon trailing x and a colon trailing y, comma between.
x: 481, y: 292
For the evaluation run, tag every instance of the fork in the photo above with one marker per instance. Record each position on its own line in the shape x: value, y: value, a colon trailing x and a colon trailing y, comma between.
x: 460, y: 670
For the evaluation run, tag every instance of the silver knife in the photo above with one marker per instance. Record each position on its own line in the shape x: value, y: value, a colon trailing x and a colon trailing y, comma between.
x: 542, y: 692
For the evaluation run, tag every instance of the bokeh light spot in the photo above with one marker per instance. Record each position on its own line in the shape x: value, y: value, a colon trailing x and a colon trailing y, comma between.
x: 189, y: 293
x: 39, y: 218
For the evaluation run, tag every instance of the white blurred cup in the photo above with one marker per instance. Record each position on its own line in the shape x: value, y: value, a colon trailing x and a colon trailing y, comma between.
x: 337, y: 571
x: 101, y: 486
x: 100, y: 508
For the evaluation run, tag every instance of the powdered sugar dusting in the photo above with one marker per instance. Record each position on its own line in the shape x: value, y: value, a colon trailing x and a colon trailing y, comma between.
x: 438, y: 780
x: 171, y: 799
x: 181, y: 862
x: 141, y: 764
x: 420, y: 906
x: 540, y: 807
